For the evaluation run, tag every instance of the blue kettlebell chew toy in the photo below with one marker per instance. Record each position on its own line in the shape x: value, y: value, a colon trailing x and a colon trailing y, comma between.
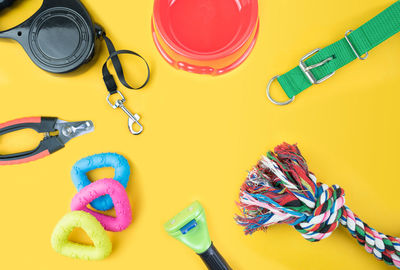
x: 82, y: 167
x: 79, y: 219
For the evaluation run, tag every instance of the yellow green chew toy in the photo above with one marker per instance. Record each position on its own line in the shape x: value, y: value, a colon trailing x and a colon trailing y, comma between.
x: 190, y: 227
x: 80, y: 219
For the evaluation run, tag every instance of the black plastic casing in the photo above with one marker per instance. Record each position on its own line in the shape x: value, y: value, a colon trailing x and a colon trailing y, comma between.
x: 59, y: 37
x: 5, y: 4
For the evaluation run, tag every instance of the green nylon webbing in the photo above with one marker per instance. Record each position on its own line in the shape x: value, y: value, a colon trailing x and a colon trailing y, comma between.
x: 365, y: 38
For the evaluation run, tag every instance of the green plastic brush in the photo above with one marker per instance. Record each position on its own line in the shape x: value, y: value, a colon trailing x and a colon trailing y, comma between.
x: 190, y: 227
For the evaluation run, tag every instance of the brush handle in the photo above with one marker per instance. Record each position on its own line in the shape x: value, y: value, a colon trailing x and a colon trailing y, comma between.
x: 213, y: 259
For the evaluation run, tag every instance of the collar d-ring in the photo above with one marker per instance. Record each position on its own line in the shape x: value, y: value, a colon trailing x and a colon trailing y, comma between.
x: 273, y: 100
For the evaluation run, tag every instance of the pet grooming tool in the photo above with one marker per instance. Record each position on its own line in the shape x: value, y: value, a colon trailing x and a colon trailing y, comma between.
x: 190, y: 227
x: 50, y: 144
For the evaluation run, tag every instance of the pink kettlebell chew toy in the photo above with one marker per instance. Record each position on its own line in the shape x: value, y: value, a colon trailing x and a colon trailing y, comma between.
x: 119, y: 197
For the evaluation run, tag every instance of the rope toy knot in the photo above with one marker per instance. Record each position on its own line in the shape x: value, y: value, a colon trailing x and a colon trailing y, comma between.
x: 325, y: 216
x: 281, y: 189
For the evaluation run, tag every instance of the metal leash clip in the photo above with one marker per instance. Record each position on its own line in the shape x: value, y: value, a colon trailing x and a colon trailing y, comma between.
x: 133, y: 118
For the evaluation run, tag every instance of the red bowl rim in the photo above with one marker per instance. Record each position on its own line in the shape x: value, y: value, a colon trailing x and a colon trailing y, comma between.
x: 220, y: 55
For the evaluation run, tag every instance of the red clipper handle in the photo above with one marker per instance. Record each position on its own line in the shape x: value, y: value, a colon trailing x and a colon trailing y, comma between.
x: 47, y: 146
x: 22, y: 123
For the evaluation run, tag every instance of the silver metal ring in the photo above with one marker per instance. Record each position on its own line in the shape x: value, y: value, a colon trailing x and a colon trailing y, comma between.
x: 122, y: 100
x: 273, y: 100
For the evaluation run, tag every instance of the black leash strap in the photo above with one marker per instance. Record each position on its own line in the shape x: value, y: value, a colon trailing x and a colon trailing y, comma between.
x: 107, y: 76
x: 134, y: 125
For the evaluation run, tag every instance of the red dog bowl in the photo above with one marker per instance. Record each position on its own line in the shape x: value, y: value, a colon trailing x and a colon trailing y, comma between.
x: 205, y: 36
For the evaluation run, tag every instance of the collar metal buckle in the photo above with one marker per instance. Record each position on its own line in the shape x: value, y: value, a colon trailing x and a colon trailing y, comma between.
x: 307, y: 69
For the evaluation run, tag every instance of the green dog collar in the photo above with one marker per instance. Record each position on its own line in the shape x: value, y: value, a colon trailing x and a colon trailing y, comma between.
x: 321, y: 64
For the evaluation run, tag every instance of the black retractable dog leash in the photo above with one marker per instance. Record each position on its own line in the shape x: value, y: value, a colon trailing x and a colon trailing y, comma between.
x: 60, y: 37
x: 5, y: 3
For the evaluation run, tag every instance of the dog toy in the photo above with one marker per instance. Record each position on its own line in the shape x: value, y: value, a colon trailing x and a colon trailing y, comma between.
x: 190, y: 227
x: 59, y: 240
x: 119, y: 197
x: 281, y: 189
x: 113, y: 160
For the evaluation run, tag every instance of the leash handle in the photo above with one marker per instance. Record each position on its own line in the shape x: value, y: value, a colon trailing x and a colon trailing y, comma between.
x: 113, y: 56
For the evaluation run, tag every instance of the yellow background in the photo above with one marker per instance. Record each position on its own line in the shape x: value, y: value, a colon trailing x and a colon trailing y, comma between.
x: 201, y: 136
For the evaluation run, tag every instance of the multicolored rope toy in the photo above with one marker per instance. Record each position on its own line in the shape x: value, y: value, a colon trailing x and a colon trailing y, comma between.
x: 281, y: 189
